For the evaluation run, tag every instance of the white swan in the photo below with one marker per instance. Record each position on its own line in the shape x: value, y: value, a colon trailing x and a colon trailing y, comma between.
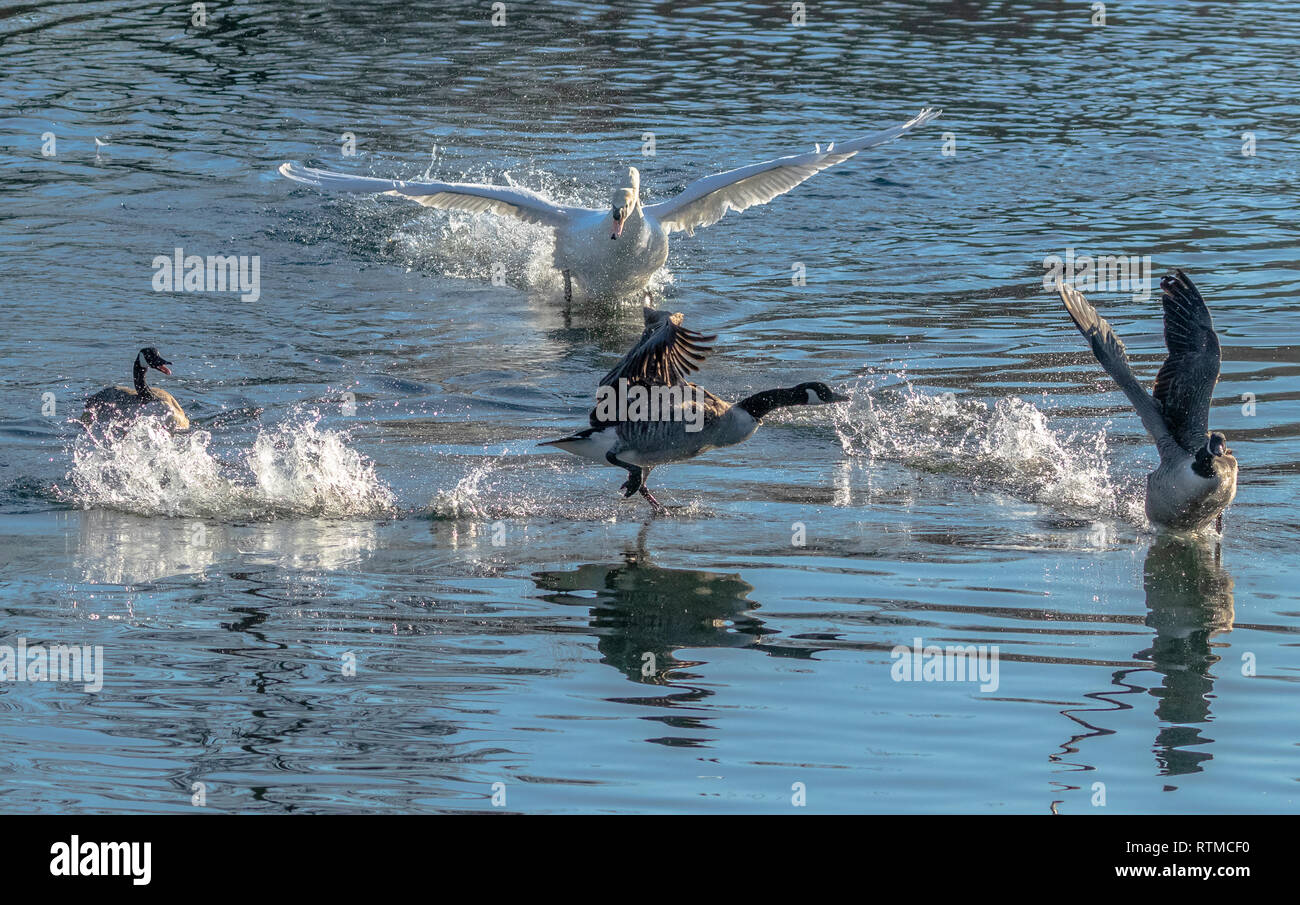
x: 583, y: 249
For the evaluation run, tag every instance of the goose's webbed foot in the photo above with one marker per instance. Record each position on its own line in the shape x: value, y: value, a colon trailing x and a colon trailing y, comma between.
x: 635, y: 474
x: 635, y: 482
x: 658, y: 507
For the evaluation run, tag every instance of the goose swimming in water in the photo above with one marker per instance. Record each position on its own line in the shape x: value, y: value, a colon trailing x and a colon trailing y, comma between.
x: 123, y: 403
x: 686, y: 419
x: 1197, y: 475
x: 615, y: 251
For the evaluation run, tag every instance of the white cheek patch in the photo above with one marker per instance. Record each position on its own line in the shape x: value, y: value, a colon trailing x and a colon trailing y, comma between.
x: 813, y: 398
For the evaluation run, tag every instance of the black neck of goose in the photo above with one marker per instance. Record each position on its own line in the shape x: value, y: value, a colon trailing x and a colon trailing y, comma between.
x: 760, y: 404
x: 1204, y: 464
x: 139, y: 372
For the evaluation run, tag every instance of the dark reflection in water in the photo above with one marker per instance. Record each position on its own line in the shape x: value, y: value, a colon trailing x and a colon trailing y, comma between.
x: 1189, y: 601
x: 642, y: 614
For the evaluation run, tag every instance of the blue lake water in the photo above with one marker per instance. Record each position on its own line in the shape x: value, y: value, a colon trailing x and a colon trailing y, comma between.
x: 362, y: 490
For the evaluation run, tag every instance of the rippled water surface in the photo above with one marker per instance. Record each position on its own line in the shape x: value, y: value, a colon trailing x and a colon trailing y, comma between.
x: 362, y: 484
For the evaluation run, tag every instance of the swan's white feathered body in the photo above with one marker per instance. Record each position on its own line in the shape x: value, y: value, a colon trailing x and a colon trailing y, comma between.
x: 606, y: 268
x: 615, y: 251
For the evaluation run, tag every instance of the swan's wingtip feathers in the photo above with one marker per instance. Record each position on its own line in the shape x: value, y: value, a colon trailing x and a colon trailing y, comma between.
x: 291, y: 169
x: 927, y: 114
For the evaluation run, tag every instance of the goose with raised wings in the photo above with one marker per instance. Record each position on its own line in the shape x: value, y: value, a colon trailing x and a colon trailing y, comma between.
x: 647, y: 414
x: 1197, y: 475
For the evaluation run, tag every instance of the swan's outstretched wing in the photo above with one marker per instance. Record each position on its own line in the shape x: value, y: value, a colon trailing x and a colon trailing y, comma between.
x: 1186, y: 380
x: 1108, y: 349
x: 472, y: 198
x: 666, y: 354
x: 705, y: 201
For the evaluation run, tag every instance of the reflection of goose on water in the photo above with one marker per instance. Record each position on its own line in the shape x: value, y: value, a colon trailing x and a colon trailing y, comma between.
x: 638, y: 608
x: 584, y: 252
x: 1197, y: 475
x: 1189, y: 598
x: 664, y: 356
x: 1189, y: 602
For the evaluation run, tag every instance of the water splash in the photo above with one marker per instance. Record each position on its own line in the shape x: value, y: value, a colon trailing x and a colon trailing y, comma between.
x: 478, y: 247
x: 1007, y: 445
x: 292, y: 469
x: 510, y: 487
x: 466, y: 246
x: 475, y: 495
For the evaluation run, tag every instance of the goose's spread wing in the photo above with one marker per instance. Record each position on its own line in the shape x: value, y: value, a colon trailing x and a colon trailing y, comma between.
x: 1108, y: 349
x: 1186, y: 380
x: 705, y: 201
x: 665, y: 354
x: 469, y: 197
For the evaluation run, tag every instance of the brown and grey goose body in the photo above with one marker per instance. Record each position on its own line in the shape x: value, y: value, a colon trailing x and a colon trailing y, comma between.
x: 119, y: 403
x: 1197, y: 476
x: 690, y: 421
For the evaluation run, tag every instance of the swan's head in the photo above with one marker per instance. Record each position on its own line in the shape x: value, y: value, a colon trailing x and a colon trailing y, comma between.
x: 818, y: 393
x: 150, y: 358
x: 625, y: 200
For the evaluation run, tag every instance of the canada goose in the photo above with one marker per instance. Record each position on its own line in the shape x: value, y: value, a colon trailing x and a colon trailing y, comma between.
x: 114, y: 403
x: 583, y: 250
x: 674, y: 420
x: 1197, y: 475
